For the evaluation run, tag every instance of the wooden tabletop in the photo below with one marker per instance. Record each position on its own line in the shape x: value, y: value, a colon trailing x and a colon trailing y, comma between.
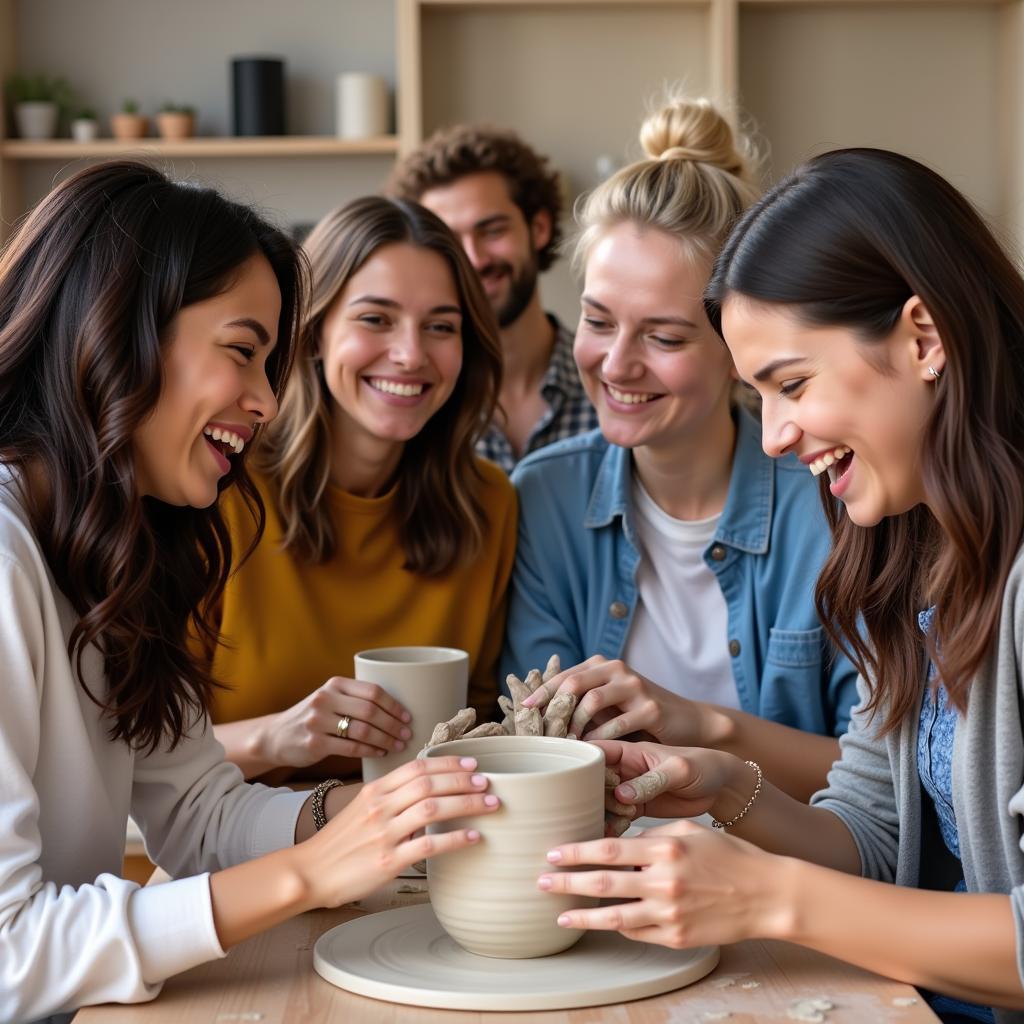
x: 270, y: 980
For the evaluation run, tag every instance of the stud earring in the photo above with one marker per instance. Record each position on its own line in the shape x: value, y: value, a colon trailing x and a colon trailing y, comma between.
x: 935, y: 373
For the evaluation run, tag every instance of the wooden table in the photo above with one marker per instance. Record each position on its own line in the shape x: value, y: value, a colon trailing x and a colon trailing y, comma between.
x: 269, y: 979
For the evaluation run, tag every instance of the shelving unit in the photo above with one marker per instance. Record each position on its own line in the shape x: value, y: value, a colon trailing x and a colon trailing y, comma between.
x: 940, y: 79
x: 277, y: 146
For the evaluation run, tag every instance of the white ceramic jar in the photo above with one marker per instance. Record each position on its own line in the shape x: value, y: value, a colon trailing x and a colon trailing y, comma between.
x: 486, y: 896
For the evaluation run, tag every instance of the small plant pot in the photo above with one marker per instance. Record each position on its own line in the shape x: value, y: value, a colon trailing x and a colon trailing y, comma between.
x: 175, y: 125
x: 36, y: 119
x: 85, y: 129
x: 129, y: 126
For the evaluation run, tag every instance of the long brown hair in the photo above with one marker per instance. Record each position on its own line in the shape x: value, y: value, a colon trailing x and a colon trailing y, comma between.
x: 846, y: 240
x: 441, y: 518
x: 88, y: 288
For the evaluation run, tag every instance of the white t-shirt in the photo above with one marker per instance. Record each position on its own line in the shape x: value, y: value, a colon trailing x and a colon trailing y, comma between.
x: 71, y: 931
x: 679, y: 634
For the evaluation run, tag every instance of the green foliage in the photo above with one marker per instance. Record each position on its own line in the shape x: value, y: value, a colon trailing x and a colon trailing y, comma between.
x: 39, y: 88
x: 130, y: 106
x: 177, y: 108
x: 85, y: 114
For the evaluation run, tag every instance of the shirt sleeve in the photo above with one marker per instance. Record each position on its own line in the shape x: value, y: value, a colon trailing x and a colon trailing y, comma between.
x: 540, y: 621
x: 861, y: 792
x: 66, y: 946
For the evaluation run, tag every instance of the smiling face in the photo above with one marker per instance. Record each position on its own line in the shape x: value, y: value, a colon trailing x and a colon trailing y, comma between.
x: 651, y: 363
x: 215, y: 389
x: 502, y: 247
x: 860, y: 419
x: 391, y: 345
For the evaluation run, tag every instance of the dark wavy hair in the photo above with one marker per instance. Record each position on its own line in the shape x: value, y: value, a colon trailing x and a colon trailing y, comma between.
x: 845, y: 241
x: 452, y: 153
x: 89, y: 286
x: 442, y: 517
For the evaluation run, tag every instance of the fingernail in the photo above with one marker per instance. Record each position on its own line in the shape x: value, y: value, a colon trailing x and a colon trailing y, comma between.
x: 564, y: 920
x: 406, y: 734
x: 554, y: 856
x: 529, y: 702
x: 478, y: 780
x: 627, y: 791
x: 472, y: 835
x: 544, y: 882
x: 399, y: 745
x: 573, y: 736
x: 406, y: 717
x: 491, y: 800
x: 467, y: 762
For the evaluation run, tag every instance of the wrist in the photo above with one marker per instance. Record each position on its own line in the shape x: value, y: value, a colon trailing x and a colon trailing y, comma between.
x: 741, y: 781
x: 715, y: 729
x: 784, y: 884
x: 260, y: 744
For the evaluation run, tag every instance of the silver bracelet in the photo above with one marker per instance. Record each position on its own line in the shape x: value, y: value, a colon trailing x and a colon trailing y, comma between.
x: 750, y: 803
x: 317, y: 805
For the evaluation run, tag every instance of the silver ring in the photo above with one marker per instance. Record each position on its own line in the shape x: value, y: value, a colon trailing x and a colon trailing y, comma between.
x: 343, y: 723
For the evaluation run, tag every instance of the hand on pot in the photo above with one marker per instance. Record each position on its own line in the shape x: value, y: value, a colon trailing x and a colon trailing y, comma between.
x: 379, y: 834
x: 615, y: 701
x: 694, y: 887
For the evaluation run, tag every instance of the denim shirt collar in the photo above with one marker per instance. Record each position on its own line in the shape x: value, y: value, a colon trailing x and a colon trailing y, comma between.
x: 746, y: 521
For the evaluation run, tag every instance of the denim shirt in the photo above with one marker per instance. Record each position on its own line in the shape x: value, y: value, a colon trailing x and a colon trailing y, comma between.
x: 574, y: 588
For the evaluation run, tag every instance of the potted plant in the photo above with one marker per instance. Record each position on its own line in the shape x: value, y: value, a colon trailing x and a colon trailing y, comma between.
x: 128, y: 123
x: 38, y: 102
x: 84, y: 125
x: 175, y: 121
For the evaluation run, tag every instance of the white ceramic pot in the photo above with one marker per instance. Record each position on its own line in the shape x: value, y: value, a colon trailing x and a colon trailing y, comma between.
x: 36, y: 120
x: 84, y: 129
x: 486, y: 896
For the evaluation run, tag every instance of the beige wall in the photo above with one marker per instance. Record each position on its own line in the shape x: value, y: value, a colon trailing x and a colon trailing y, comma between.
x: 573, y: 81
x: 921, y: 80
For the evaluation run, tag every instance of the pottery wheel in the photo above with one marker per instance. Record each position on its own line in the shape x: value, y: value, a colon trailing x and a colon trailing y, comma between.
x: 405, y: 956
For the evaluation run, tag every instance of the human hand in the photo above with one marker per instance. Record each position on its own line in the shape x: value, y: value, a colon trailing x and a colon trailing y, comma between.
x: 315, y: 727
x: 671, y: 782
x: 615, y: 701
x: 378, y: 834
x: 694, y: 887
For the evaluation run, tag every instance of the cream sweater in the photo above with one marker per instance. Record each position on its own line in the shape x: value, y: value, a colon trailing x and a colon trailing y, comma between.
x: 72, y: 932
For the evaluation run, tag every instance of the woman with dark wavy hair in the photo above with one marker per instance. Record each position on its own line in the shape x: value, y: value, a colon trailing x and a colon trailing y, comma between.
x: 884, y: 329
x: 145, y: 330
x: 384, y: 528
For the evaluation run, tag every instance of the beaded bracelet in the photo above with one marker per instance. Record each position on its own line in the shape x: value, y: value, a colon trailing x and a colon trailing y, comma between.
x: 319, y: 795
x: 753, y: 796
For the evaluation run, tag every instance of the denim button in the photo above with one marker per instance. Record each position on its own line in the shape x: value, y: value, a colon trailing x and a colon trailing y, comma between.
x: 618, y: 609
x: 734, y: 647
x: 718, y: 553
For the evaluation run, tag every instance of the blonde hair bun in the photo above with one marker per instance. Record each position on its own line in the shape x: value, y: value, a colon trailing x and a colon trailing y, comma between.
x: 692, y: 129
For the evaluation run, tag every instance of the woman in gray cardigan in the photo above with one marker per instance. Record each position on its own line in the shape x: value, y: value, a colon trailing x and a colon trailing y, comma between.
x: 884, y: 329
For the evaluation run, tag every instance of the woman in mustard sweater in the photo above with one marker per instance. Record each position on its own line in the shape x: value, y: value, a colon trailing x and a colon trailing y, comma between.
x: 383, y: 528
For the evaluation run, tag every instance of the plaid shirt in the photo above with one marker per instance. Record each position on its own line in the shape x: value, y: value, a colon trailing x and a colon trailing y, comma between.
x: 569, y: 410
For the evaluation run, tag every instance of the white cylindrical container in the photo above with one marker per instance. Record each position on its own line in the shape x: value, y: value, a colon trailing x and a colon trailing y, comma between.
x: 361, y: 105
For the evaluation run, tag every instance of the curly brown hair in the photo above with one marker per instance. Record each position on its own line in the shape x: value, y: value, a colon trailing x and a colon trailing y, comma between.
x: 452, y: 153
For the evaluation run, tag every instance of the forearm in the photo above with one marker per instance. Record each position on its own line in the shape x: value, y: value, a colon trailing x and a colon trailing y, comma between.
x: 778, y: 823
x: 797, y: 762
x: 244, y: 744
x: 962, y: 945
x: 256, y: 895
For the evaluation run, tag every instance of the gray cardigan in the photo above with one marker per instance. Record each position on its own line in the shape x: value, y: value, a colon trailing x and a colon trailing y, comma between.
x: 875, y: 788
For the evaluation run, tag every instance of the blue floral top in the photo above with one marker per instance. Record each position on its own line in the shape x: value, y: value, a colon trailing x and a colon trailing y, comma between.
x: 935, y: 734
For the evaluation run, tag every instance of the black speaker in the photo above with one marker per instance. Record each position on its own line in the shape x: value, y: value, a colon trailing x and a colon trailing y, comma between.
x: 257, y: 89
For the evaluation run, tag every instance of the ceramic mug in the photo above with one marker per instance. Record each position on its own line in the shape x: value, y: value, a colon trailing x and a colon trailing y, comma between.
x: 486, y: 896
x: 432, y: 683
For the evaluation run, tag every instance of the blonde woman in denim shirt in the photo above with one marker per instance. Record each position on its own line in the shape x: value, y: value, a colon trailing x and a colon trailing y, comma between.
x: 665, y: 557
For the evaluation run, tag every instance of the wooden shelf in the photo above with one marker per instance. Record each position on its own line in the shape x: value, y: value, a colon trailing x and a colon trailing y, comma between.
x: 282, y: 146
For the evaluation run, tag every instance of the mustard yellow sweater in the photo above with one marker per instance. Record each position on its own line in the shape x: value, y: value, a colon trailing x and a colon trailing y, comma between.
x: 290, y: 626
